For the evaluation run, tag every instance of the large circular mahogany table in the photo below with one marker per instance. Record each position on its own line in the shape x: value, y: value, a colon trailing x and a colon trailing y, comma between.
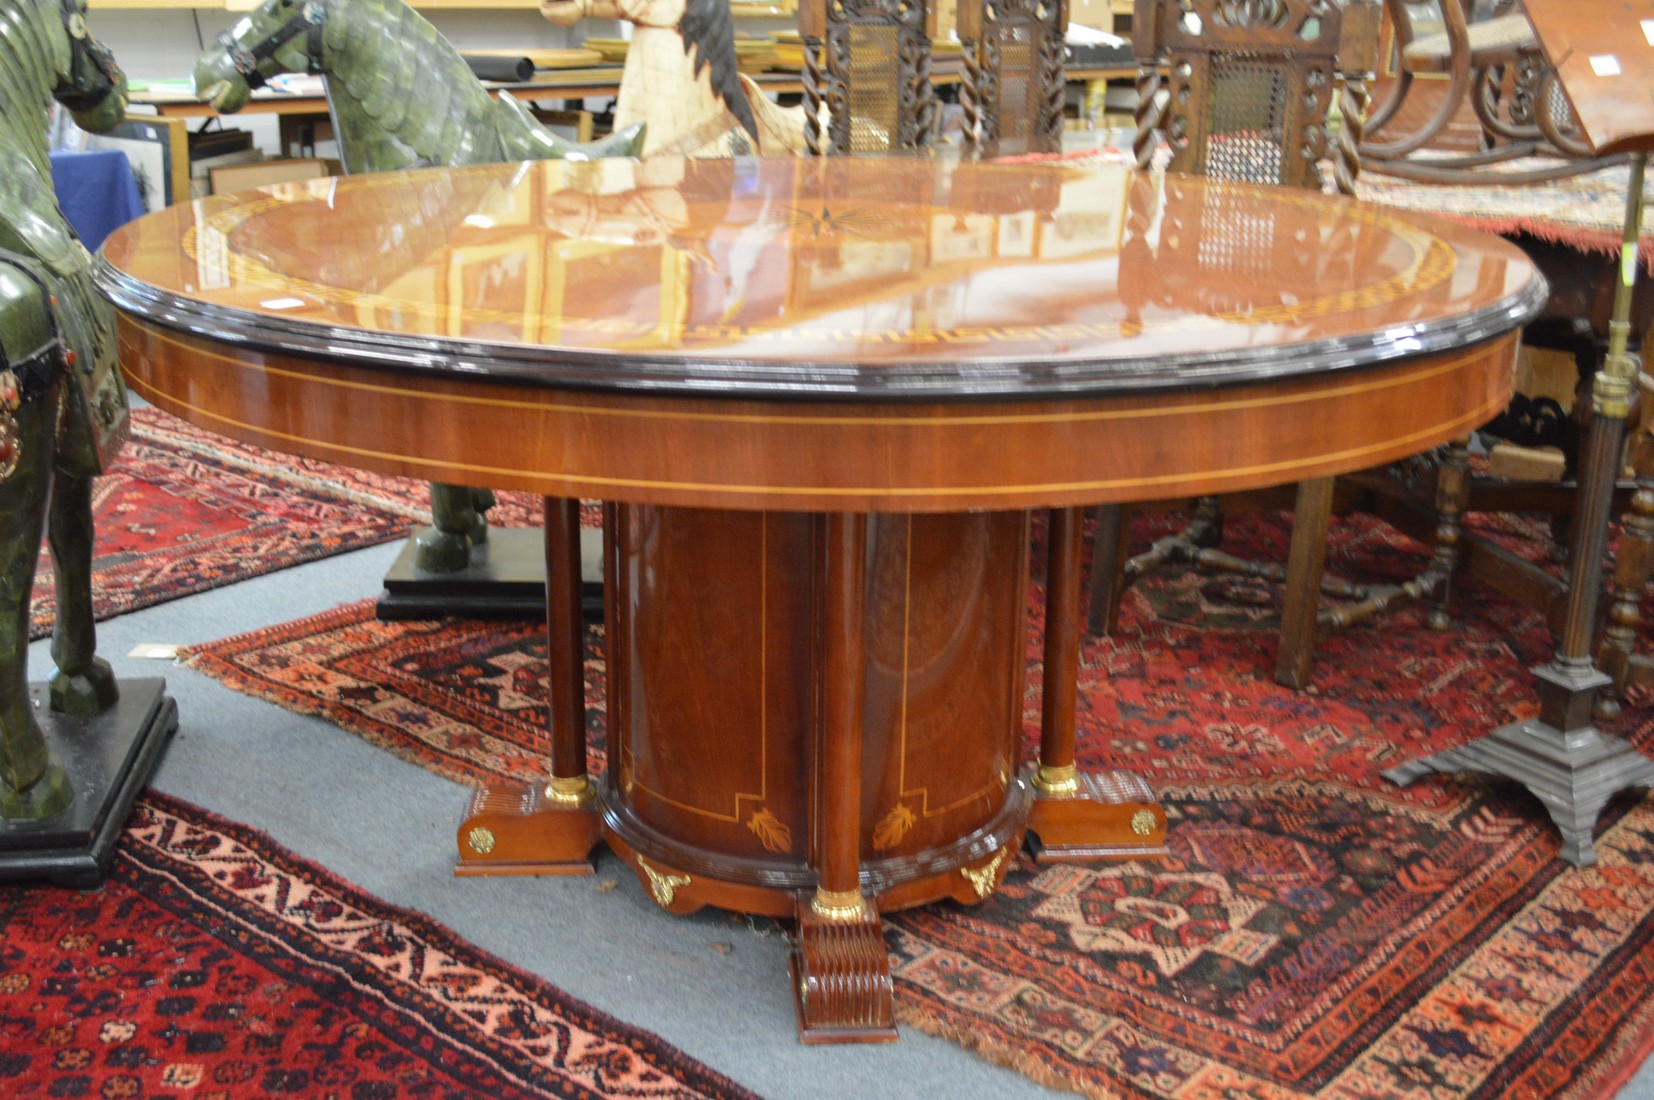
x: 821, y: 398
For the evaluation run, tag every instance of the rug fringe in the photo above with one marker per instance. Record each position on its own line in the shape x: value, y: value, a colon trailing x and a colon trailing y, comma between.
x: 1578, y: 238
x: 999, y: 1054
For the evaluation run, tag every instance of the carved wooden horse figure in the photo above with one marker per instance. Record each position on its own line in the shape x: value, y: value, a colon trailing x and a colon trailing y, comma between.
x: 401, y: 96
x: 681, y: 80
x: 63, y: 410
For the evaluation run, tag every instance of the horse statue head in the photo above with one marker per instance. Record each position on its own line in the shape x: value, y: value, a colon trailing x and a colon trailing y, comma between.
x: 50, y: 54
x: 88, y: 82
x: 400, y: 93
x: 278, y: 36
x: 401, y: 96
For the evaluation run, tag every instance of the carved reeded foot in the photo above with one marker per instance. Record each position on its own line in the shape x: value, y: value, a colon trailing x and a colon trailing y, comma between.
x: 841, y: 973
x: 530, y: 830
x: 1080, y: 816
x: 91, y: 691
x: 50, y: 794
x: 437, y: 551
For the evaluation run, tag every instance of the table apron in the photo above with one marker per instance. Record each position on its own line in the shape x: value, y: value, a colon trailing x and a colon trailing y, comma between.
x: 927, y: 455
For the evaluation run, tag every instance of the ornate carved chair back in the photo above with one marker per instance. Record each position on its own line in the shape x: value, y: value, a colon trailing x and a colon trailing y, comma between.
x: 1013, y: 89
x: 868, y: 63
x: 1251, y: 86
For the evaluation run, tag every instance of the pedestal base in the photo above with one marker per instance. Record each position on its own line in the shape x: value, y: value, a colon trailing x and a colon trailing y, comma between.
x: 1573, y: 774
x: 506, y: 580
x: 108, y: 758
x: 520, y: 831
x: 1111, y: 815
x: 841, y: 979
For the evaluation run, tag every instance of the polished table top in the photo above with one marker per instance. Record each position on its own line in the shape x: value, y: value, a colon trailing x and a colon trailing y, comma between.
x: 1032, y: 293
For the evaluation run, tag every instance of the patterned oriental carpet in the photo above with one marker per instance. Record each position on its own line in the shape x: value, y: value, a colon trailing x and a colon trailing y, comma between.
x: 1316, y: 932
x: 184, y: 510
x: 213, y: 963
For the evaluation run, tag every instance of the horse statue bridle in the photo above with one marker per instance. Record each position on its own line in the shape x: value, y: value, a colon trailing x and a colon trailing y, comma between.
x: 246, y: 59
x: 28, y: 376
x: 93, y: 74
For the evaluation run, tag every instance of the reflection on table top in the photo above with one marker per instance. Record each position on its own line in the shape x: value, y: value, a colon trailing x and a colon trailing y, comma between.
x: 801, y: 277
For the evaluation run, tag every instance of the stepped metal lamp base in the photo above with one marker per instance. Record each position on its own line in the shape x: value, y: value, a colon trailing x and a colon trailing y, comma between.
x: 1573, y: 771
x: 505, y: 580
x: 108, y: 759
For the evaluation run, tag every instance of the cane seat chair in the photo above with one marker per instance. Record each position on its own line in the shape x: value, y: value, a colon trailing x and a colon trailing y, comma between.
x: 1484, y: 54
x: 1013, y: 88
x: 867, y: 62
x: 1246, y: 94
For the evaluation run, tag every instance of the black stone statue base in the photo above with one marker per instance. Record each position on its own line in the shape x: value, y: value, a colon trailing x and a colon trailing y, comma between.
x: 506, y: 580
x: 108, y: 758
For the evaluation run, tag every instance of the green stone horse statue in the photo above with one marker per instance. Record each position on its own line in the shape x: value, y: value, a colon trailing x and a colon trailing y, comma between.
x: 401, y: 96
x: 63, y: 409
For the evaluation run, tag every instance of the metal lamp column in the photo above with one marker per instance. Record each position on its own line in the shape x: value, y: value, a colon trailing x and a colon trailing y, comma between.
x: 1559, y: 755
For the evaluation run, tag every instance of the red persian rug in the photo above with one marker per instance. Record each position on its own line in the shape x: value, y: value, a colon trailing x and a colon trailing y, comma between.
x: 184, y: 510
x: 214, y: 964
x: 1316, y: 931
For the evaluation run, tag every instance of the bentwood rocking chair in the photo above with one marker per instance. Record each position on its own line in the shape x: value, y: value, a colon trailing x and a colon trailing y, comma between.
x: 1482, y: 54
x: 1251, y: 86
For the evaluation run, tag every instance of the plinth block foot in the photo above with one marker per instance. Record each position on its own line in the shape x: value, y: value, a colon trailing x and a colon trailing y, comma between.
x: 1574, y: 774
x: 504, y: 579
x: 520, y: 831
x: 1102, y: 816
x: 841, y: 978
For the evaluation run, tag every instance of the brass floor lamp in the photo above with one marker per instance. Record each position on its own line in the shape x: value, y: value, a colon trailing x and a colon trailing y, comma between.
x: 1604, y: 58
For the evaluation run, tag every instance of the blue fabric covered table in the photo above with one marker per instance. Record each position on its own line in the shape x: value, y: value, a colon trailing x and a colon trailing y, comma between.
x: 96, y: 191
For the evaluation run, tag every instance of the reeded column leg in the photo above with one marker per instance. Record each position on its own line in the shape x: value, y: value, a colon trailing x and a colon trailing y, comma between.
x: 1079, y: 815
x: 841, y: 973
x: 549, y: 829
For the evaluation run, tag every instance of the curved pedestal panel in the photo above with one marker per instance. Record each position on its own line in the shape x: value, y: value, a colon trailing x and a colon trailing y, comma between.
x: 715, y: 672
